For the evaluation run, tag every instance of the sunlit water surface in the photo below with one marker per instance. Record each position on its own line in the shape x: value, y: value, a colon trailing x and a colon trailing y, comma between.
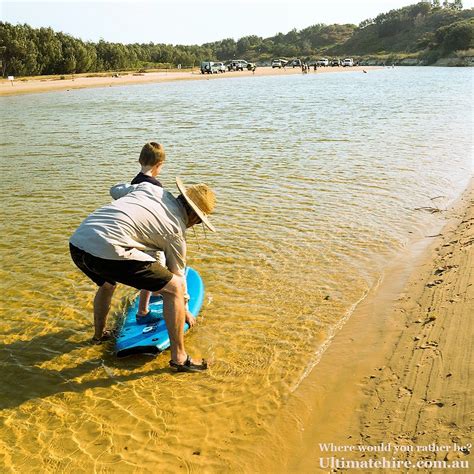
x: 317, y: 178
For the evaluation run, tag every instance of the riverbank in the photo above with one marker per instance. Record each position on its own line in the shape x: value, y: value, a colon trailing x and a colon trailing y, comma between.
x: 396, y: 382
x: 415, y: 60
x: 82, y: 81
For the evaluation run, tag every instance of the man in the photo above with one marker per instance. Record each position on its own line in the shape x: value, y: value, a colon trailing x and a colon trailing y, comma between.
x: 117, y: 243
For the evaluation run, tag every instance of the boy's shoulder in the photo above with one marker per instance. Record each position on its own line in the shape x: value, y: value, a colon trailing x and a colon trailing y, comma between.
x: 122, y: 189
x: 144, y: 178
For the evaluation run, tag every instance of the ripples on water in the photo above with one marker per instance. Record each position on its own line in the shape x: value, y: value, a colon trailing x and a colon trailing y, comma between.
x: 316, y: 176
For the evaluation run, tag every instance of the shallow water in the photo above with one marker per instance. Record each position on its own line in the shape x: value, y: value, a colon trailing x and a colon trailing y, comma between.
x: 317, y: 178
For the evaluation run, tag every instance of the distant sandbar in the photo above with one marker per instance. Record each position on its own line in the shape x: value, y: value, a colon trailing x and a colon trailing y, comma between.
x: 37, y: 84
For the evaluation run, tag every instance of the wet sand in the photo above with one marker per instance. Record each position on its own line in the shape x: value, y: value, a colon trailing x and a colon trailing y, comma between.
x: 397, y: 379
x: 81, y: 81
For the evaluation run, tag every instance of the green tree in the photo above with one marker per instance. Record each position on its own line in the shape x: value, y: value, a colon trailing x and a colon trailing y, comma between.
x: 243, y: 45
x: 49, y: 50
x: 457, y: 36
x: 369, y: 21
x: 21, y: 53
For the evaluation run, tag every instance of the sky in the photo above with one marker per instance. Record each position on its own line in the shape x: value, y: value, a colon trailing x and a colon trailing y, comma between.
x: 188, y: 21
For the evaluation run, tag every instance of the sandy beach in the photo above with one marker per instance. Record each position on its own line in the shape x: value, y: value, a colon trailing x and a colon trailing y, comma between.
x: 396, y: 382
x: 35, y: 85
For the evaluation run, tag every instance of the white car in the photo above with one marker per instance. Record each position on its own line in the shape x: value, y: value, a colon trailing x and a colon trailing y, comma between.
x: 237, y: 65
x: 279, y: 63
x: 348, y: 62
x: 220, y: 67
x: 323, y: 62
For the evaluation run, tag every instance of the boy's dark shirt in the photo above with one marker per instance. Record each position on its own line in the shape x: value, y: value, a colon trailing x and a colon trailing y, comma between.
x: 143, y: 178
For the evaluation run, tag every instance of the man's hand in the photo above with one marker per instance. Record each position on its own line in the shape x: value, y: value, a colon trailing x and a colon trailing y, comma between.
x: 190, y: 319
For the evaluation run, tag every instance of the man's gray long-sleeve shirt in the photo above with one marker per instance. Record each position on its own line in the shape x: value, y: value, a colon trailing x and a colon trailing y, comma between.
x: 143, y: 220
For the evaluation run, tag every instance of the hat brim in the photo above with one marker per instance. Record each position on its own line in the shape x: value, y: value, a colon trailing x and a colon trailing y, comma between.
x: 195, y: 208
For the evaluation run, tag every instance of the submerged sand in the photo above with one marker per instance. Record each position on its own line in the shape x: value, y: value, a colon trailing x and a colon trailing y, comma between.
x: 28, y: 86
x: 396, y: 382
x: 398, y: 373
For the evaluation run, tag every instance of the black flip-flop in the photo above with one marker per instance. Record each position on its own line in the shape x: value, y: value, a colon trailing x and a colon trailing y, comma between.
x: 106, y: 336
x: 189, y: 366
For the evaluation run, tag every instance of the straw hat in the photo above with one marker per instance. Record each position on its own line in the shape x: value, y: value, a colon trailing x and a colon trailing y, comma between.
x: 201, y: 198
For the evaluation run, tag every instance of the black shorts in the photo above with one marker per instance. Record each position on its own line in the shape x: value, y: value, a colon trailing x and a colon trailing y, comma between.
x: 140, y: 275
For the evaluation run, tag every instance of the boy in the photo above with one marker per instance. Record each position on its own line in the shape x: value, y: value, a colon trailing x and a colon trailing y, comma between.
x: 152, y: 158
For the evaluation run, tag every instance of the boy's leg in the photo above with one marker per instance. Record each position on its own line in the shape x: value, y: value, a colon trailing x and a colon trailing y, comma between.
x: 145, y: 295
x: 143, y: 304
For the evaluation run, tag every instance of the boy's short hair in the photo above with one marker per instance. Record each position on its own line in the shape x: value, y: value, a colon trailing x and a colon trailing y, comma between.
x: 152, y: 154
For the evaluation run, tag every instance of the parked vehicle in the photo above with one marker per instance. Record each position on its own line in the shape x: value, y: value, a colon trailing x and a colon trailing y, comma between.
x: 279, y: 63
x: 237, y: 65
x: 251, y: 66
x: 323, y: 62
x: 348, y: 62
x: 209, y: 67
x: 220, y: 67
x: 335, y: 62
x: 296, y: 63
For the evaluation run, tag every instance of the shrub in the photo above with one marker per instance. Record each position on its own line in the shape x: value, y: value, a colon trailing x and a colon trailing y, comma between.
x: 460, y: 35
x: 431, y: 56
x: 465, y: 53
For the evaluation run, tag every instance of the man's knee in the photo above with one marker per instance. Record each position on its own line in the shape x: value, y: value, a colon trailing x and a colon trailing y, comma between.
x: 174, y: 287
x: 107, y: 287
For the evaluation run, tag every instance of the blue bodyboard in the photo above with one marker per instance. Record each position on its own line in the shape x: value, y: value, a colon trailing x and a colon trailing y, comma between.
x: 133, y: 338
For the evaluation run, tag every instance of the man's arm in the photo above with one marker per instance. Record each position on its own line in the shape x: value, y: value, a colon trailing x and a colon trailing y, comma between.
x: 121, y: 190
x: 175, y: 253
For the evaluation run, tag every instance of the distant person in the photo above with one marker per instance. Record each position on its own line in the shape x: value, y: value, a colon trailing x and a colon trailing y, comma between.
x: 117, y: 244
x: 152, y: 158
x: 315, y: 67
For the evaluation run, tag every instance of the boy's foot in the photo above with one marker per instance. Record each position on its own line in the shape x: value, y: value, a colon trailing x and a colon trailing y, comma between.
x: 149, y: 318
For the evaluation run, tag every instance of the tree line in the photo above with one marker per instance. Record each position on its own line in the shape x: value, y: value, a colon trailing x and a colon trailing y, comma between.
x: 26, y: 51
x: 432, y: 28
